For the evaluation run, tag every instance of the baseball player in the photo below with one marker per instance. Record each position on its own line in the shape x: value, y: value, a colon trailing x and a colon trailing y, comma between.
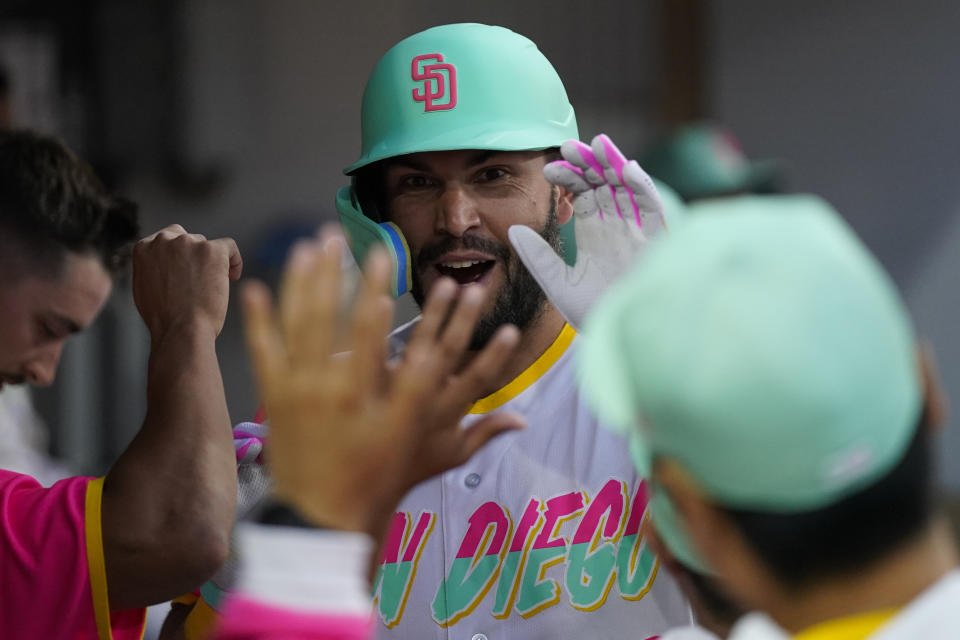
x: 312, y: 585
x: 84, y: 557
x: 539, y: 534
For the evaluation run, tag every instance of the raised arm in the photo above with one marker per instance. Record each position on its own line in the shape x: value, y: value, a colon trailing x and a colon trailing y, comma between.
x: 168, y: 502
x: 343, y: 437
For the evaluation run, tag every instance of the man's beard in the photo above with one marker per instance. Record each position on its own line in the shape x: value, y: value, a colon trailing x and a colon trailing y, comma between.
x: 520, y: 300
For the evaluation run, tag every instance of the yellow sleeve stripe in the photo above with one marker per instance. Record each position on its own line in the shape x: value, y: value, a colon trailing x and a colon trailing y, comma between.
x: 530, y: 375
x: 200, y: 621
x: 855, y: 627
x: 95, y: 562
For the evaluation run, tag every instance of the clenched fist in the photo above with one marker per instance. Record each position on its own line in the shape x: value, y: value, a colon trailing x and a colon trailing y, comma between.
x: 182, y: 279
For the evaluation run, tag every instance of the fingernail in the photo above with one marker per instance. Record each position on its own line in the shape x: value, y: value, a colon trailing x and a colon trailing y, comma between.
x: 508, y: 334
x: 472, y: 296
x: 444, y: 288
x: 300, y: 255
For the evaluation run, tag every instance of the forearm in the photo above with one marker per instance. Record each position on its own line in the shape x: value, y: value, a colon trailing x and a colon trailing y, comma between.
x: 168, y: 503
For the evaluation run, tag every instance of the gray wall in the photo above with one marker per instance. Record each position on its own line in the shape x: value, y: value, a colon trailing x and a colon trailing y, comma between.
x: 861, y: 97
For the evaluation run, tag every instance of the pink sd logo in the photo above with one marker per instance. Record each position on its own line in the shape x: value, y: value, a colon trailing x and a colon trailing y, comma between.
x: 437, y: 76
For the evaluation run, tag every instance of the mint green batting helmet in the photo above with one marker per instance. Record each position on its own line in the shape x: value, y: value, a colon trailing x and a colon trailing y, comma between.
x: 456, y: 86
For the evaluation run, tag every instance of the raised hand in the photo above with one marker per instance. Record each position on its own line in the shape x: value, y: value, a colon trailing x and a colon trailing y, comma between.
x: 616, y: 210
x: 177, y: 529
x: 182, y: 279
x: 343, y: 432
x: 444, y: 444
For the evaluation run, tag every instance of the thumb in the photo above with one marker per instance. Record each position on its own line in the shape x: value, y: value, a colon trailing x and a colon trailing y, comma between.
x: 558, y: 281
x: 537, y: 255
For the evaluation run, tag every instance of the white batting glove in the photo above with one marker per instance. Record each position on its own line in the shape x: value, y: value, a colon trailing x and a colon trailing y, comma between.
x: 616, y: 210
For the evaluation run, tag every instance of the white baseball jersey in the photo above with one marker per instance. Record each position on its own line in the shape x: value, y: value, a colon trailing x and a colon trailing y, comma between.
x: 538, y: 536
x: 933, y: 615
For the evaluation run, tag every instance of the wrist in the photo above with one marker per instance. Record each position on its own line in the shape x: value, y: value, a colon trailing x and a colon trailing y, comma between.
x: 188, y: 329
x: 334, y: 511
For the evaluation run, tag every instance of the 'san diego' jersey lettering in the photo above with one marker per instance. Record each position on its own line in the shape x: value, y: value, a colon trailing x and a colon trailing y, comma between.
x: 595, y: 538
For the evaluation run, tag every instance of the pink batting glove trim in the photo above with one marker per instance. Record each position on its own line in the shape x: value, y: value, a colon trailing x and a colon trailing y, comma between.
x: 248, y: 439
x: 617, y: 161
x: 593, y: 169
x: 567, y: 165
x: 588, y: 160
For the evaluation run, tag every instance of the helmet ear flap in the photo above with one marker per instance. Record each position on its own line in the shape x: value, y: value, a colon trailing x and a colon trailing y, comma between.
x: 363, y: 233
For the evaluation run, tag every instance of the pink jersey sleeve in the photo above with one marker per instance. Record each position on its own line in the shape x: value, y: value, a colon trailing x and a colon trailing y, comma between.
x: 52, y: 574
x: 248, y: 619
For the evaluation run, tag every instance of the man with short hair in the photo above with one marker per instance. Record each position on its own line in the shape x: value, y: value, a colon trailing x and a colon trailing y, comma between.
x: 767, y: 372
x: 84, y: 557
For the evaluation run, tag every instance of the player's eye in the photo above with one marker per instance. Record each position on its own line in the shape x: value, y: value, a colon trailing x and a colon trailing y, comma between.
x: 415, y: 182
x: 491, y: 174
x: 47, y: 332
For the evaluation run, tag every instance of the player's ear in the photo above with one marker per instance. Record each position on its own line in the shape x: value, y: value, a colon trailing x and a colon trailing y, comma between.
x: 717, y: 538
x: 935, y: 401
x: 564, y: 204
x: 700, y: 519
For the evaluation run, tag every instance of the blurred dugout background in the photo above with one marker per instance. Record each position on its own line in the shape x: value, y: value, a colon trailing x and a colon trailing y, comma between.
x: 236, y: 117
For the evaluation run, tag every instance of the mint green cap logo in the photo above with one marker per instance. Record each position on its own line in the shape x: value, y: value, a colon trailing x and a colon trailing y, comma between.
x: 436, y: 77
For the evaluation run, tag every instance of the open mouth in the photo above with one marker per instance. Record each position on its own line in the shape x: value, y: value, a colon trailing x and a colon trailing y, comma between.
x: 465, y: 271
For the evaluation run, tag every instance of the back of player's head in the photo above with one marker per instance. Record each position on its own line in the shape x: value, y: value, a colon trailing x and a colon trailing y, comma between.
x: 51, y: 202
x: 764, y: 349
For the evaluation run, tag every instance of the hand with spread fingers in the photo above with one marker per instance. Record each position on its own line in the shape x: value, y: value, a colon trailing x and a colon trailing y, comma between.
x: 445, y: 444
x: 616, y: 210
x: 343, y: 430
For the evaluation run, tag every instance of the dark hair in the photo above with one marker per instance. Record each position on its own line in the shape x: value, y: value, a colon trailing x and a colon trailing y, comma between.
x: 51, y: 201
x: 370, y: 192
x: 844, y: 537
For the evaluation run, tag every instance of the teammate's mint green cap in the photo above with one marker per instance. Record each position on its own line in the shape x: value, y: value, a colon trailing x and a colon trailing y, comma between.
x: 703, y: 160
x: 761, y: 346
x: 463, y: 86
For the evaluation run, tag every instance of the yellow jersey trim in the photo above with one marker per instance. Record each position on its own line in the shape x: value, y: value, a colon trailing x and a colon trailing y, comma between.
x: 95, y: 563
x: 856, y: 627
x: 530, y: 375
x: 200, y: 621
x: 186, y: 599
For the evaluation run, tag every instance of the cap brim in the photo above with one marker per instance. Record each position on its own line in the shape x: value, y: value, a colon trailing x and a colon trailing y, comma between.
x: 601, y: 371
x: 604, y: 375
x: 604, y: 379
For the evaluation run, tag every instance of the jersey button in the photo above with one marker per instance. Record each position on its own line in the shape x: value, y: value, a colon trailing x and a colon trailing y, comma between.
x: 472, y: 481
x: 479, y: 636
